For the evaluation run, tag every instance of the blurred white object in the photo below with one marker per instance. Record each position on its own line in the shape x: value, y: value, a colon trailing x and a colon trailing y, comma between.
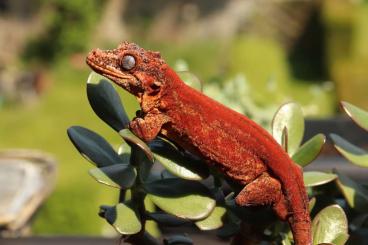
x: 26, y: 179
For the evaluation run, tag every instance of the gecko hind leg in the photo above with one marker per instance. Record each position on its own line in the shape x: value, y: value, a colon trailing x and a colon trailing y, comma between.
x: 264, y: 190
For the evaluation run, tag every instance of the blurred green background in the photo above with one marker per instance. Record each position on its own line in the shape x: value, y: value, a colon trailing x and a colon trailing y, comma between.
x: 251, y: 56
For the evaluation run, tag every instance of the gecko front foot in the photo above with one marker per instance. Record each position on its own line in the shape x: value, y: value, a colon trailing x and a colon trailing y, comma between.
x: 147, y: 128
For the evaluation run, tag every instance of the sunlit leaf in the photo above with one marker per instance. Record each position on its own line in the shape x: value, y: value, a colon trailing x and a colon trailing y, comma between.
x: 330, y: 225
x: 341, y: 239
x: 93, y: 147
x: 123, y: 217
x: 309, y: 150
x: 315, y: 178
x: 129, y: 137
x: 182, y: 198
x: 213, y: 221
x: 289, y: 116
x: 356, y: 195
x: 312, y: 203
x: 358, y: 115
x: 351, y: 152
x: 106, y: 102
x: 285, y: 239
x: 176, y: 163
x: 151, y: 226
x: 118, y: 175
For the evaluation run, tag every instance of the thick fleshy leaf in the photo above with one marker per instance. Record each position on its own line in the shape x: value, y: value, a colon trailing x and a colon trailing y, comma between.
x: 213, y: 221
x: 309, y: 150
x: 330, y: 225
x: 178, y: 240
x: 312, y: 203
x: 123, y: 217
x: 351, y: 152
x: 355, y: 194
x: 176, y: 163
x: 315, y: 178
x: 183, y: 198
x: 285, y: 239
x: 139, y: 158
x: 230, y: 227
x: 151, y: 226
x: 167, y: 219
x: 130, y: 138
x: 289, y: 116
x: 341, y: 239
x: 93, y: 147
x: 118, y: 175
x: 106, y: 102
x: 358, y: 115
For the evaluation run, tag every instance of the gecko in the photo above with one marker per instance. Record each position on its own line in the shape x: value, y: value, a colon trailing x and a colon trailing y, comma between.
x: 227, y: 140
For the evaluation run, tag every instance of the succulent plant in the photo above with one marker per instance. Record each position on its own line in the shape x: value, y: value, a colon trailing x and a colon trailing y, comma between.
x: 355, y: 194
x: 162, y: 185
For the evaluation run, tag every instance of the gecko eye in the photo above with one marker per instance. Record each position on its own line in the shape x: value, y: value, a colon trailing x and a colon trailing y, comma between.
x: 128, y: 62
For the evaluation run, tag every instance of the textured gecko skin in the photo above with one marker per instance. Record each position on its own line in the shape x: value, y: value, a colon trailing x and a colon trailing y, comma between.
x: 234, y: 144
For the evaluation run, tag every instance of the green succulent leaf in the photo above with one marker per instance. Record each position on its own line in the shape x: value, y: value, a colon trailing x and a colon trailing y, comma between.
x: 330, y: 226
x: 139, y: 158
x: 183, y: 198
x: 130, y: 138
x: 355, y: 194
x: 231, y: 226
x: 351, y: 152
x: 106, y: 102
x: 167, y: 219
x: 176, y: 163
x: 315, y: 178
x: 213, y: 221
x: 151, y: 226
x: 289, y: 116
x: 119, y: 175
x: 309, y: 150
x: 358, y: 115
x: 93, y: 147
x: 285, y: 239
x: 123, y: 217
x: 312, y: 203
x: 177, y: 240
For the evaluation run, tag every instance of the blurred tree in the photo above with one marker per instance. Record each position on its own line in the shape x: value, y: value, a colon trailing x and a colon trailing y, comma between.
x: 69, y: 26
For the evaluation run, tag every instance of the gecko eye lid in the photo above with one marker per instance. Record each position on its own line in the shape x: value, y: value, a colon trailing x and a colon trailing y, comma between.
x: 128, y: 62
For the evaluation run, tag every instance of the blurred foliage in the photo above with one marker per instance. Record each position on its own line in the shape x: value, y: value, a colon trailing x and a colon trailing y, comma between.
x: 346, y: 44
x: 178, y: 190
x: 68, y: 25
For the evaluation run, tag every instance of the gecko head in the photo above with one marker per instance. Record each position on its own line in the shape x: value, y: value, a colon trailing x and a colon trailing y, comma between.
x: 129, y: 66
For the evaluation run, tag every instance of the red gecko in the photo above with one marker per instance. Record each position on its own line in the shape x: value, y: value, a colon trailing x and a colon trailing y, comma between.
x: 233, y: 143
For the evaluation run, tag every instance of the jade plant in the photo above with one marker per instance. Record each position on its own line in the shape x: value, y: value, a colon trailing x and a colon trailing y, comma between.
x: 162, y: 185
x: 354, y: 193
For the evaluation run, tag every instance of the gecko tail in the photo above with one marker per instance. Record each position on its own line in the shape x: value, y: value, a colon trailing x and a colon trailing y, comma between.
x: 301, y: 232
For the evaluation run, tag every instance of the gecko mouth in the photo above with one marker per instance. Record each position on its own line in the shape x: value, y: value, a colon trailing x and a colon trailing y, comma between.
x: 126, y: 81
